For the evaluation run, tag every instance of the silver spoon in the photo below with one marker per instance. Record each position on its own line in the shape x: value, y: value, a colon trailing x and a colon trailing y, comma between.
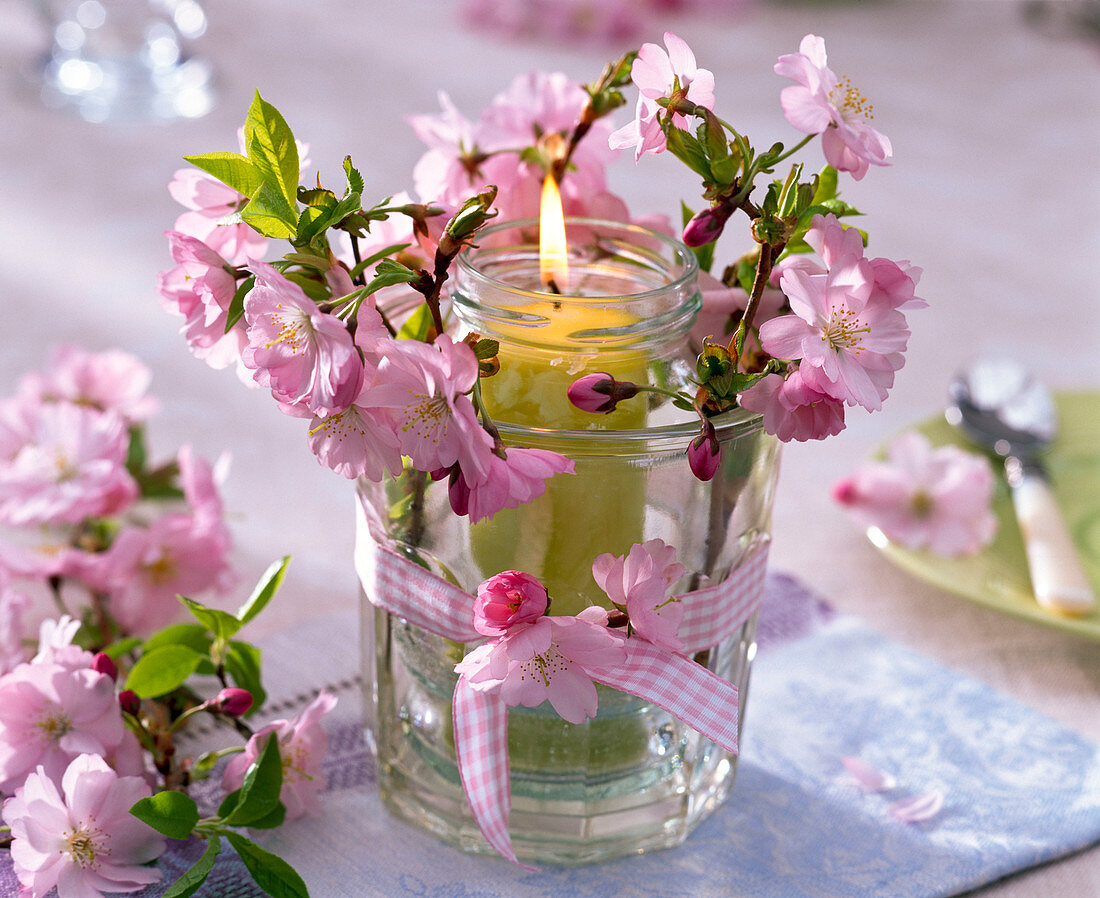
x: 1002, y: 408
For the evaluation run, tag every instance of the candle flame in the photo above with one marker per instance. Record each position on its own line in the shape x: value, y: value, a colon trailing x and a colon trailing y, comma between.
x: 553, y: 264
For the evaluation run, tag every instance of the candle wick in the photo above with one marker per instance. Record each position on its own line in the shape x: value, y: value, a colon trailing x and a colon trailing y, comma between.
x: 552, y: 286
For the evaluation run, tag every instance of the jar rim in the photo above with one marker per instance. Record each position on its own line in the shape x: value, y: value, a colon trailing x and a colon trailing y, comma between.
x: 681, y: 254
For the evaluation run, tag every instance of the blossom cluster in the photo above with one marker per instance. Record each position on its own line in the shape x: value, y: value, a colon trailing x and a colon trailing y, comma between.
x: 83, y: 513
x: 531, y: 657
x: 810, y: 336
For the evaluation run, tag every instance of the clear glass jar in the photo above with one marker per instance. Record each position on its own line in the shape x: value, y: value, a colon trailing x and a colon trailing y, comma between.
x: 634, y: 777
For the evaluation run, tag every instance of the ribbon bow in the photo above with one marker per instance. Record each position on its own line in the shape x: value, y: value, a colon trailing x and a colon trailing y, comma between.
x: 671, y: 680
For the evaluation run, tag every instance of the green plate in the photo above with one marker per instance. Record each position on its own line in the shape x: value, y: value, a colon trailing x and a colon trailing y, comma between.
x: 997, y: 576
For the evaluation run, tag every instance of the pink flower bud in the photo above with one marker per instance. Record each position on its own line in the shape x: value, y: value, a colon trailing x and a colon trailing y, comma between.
x: 129, y: 702
x: 231, y: 701
x: 458, y: 491
x: 103, y: 664
x: 507, y: 599
x: 599, y: 392
x: 704, y: 453
x: 707, y: 226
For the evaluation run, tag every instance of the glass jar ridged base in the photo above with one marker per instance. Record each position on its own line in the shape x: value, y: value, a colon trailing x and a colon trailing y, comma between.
x: 632, y: 779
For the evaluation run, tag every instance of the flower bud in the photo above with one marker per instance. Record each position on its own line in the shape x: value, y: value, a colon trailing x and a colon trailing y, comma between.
x: 129, y: 702
x: 103, y: 664
x: 707, y: 226
x: 458, y: 492
x: 599, y: 392
x: 231, y: 701
x: 507, y: 599
x: 704, y: 453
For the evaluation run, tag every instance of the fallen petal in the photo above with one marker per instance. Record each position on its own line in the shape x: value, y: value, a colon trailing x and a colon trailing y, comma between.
x: 917, y: 808
x: 869, y: 778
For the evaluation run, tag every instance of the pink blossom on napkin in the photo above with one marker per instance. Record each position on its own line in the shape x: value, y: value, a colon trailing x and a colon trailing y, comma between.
x: 868, y: 777
x: 302, y: 746
x: 49, y: 714
x: 640, y: 582
x: 820, y: 103
x: 304, y: 356
x: 545, y: 661
x: 917, y: 808
x: 507, y: 599
x: 793, y: 409
x: 924, y: 498
x: 81, y: 839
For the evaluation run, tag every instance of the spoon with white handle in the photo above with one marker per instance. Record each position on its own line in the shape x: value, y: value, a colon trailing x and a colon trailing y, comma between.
x: 1002, y: 408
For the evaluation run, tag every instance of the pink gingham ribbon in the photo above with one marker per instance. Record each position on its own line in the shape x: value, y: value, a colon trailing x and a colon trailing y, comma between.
x: 672, y: 681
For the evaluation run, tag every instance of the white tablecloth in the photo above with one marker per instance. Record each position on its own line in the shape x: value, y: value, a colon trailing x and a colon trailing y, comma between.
x: 993, y: 192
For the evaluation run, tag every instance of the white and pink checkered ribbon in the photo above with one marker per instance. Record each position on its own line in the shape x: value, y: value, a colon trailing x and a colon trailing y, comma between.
x: 701, y: 699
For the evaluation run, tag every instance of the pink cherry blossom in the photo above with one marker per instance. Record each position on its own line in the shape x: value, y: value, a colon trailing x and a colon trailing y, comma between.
x: 793, y: 409
x: 856, y: 343
x: 210, y: 201
x: 49, y: 715
x: 302, y: 746
x: 510, y: 482
x: 640, y: 582
x: 109, y: 381
x: 55, y: 644
x: 200, y: 289
x: 442, y: 175
x: 924, y: 498
x: 820, y: 103
x: 424, y: 386
x: 81, y: 839
x: 506, y: 600
x: 360, y: 441
x: 13, y: 607
x: 546, y: 661
x: 72, y: 468
x: 658, y: 75
x: 305, y: 356
x: 722, y: 308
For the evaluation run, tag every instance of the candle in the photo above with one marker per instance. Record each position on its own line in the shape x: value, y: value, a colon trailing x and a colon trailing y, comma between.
x: 560, y: 312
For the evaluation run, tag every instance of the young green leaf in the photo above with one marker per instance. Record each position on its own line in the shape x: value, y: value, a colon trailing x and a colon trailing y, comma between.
x: 232, y: 169
x: 195, y: 876
x: 417, y: 325
x: 271, y: 147
x: 236, y: 305
x: 270, y: 213
x: 355, y: 180
x: 242, y: 663
x: 271, y: 821
x: 172, y: 814
x: 263, y: 781
x: 265, y: 590
x: 117, y: 649
x: 221, y: 623
x: 194, y: 636
x: 160, y: 671
x: 272, y: 874
x: 376, y: 257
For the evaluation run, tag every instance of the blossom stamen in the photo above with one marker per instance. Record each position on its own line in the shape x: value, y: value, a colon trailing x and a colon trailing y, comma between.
x: 85, y: 846
x: 851, y: 102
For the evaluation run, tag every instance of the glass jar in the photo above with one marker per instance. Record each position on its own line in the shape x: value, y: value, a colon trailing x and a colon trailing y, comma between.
x: 634, y: 777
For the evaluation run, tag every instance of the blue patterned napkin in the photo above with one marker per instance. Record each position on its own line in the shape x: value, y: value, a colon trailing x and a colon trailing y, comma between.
x: 1019, y: 789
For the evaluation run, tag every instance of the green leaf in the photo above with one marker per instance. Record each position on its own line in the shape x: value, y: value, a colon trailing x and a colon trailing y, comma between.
x: 236, y: 305
x: 193, y: 636
x: 242, y: 662
x: 378, y: 256
x: 221, y: 623
x: 232, y: 169
x: 826, y: 184
x: 194, y: 877
x: 686, y: 148
x: 355, y: 180
x: 270, y: 213
x: 417, y: 325
x: 229, y: 803
x: 271, y: 821
x: 272, y: 874
x: 172, y: 814
x: 135, y: 451
x: 160, y: 671
x: 263, y: 781
x: 271, y: 148
x: 265, y: 590
x: 486, y: 349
